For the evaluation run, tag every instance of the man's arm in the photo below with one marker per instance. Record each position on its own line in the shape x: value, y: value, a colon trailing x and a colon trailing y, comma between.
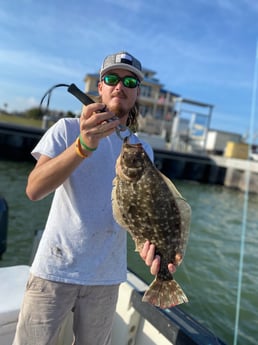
x: 50, y: 173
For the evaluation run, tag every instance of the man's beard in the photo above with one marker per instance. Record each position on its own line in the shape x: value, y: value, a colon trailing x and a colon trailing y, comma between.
x: 119, y: 111
x: 117, y: 108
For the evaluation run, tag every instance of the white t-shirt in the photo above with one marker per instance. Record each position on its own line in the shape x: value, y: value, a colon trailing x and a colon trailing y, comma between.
x: 82, y: 243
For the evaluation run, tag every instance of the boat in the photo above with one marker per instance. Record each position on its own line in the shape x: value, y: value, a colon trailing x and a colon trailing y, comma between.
x: 135, y: 323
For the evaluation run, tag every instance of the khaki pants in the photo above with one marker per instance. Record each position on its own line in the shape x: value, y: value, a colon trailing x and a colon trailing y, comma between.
x: 46, y: 305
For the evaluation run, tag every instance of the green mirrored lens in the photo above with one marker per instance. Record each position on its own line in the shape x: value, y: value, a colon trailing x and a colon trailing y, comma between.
x: 130, y: 82
x: 111, y: 79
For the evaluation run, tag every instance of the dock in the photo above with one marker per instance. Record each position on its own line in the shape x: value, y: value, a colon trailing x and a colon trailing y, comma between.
x: 16, y: 143
x: 210, y: 169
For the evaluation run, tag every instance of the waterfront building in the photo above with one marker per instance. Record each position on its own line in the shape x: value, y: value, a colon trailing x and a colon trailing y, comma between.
x: 181, y: 122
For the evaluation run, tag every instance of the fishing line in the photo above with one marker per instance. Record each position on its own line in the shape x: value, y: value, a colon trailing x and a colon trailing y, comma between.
x: 246, y: 200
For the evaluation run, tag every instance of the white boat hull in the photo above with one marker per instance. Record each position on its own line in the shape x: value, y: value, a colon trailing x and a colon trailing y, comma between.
x: 135, y: 322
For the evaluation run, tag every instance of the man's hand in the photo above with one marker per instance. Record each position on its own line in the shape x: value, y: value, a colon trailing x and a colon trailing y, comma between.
x: 95, y: 124
x: 153, y: 261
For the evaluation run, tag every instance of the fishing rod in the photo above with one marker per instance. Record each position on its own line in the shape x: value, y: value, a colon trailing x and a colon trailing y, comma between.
x: 86, y: 100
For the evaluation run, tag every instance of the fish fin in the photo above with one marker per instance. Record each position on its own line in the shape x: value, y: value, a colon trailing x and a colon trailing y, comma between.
x: 171, y: 186
x: 165, y: 294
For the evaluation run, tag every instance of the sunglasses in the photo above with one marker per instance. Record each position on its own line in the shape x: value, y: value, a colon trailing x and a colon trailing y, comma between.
x: 128, y: 81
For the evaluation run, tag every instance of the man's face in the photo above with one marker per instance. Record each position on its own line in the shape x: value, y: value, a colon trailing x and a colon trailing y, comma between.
x: 119, y: 99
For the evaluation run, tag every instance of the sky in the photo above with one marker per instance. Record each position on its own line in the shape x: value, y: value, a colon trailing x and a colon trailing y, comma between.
x: 203, y: 50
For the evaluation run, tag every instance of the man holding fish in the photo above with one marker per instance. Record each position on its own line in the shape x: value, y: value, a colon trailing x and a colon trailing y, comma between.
x: 81, y: 259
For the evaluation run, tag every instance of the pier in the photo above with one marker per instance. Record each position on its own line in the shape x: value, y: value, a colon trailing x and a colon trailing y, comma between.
x: 16, y: 143
x: 233, y: 173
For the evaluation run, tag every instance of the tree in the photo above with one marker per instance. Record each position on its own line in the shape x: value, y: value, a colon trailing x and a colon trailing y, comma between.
x: 34, y: 113
x: 70, y: 114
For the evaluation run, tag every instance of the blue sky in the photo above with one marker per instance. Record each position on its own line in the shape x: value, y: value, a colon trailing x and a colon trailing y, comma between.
x: 203, y: 50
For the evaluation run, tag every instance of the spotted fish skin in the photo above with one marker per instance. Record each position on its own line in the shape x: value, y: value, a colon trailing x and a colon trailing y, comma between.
x: 148, y: 205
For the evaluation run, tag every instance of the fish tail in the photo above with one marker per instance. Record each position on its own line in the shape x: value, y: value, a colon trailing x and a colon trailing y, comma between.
x: 164, y: 294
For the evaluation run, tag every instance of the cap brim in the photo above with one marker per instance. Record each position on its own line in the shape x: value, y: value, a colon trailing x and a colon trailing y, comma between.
x: 130, y: 68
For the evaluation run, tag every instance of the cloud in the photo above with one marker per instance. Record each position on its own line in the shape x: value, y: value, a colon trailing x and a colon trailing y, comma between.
x: 25, y: 103
x: 133, y: 5
x: 30, y: 62
x: 236, y: 7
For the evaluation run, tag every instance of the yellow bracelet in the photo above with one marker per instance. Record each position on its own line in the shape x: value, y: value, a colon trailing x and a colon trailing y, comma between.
x: 78, y: 149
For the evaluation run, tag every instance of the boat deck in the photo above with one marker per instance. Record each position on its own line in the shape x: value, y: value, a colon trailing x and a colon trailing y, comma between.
x: 135, y: 322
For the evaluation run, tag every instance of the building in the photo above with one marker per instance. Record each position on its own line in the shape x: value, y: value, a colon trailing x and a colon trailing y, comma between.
x: 178, y: 120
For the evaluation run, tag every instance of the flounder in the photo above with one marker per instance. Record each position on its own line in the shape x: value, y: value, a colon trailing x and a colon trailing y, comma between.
x: 148, y: 205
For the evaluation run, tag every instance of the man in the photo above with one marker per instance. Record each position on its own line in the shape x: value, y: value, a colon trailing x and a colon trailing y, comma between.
x: 81, y: 259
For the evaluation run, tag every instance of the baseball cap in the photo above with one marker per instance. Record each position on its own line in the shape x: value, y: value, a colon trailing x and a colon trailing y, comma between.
x: 122, y: 60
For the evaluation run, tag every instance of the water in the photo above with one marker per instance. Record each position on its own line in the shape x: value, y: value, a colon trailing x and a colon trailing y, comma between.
x: 209, y: 273
x: 25, y: 216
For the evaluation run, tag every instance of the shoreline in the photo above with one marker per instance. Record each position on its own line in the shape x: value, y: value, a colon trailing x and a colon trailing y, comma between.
x: 18, y: 141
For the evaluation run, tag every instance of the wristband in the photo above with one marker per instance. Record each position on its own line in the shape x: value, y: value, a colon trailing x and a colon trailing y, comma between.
x: 78, y: 149
x: 85, y: 146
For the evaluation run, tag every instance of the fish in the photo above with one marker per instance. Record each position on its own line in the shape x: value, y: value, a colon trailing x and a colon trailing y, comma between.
x: 148, y: 205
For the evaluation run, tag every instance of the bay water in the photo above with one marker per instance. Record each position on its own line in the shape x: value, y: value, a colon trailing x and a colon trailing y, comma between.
x: 209, y: 274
